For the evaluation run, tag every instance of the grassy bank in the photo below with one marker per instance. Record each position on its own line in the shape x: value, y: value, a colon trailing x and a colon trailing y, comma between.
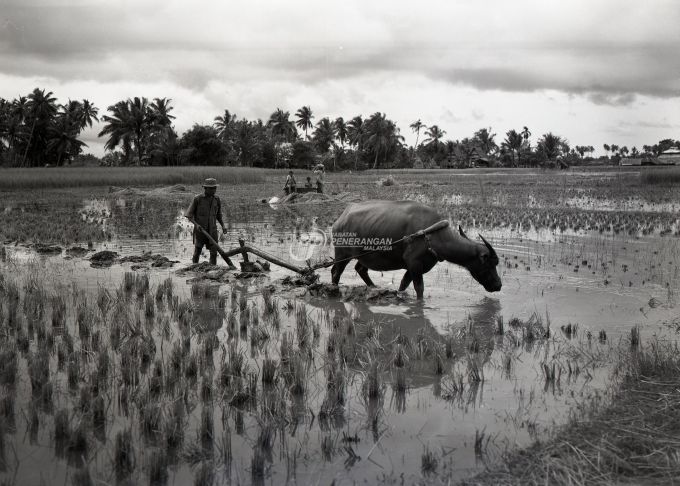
x: 633, y: 440
x: 64, y: 177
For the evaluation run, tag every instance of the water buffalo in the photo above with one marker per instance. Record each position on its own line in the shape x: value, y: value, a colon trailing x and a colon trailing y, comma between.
x: 369, y: 225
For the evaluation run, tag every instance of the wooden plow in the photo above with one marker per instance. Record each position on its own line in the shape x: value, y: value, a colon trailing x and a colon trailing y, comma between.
x: 244, y: 249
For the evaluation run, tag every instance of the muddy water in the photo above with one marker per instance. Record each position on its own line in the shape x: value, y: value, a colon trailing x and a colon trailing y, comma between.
x: 599, y: 283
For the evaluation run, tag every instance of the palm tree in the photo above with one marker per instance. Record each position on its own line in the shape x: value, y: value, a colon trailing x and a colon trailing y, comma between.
x: 63, y: 135
x: 551, y: 146
x: 434, y: 135
x: 606, y: 148
x: 118, y: 127
x: 281, y: 126
x: 485, y: 140
x: 324, y: 135
x: 160, y: 118
x: 224, y: 125
x: 341, y: 130
x: 88, y: 113
x: 416, y: 126
x: 355, y: 134
x: 513, y: 142
x: 526, y: 134
x: 41, y: 108
x: 140, y: 121
x: 382, y: 135
x: 304, y: 119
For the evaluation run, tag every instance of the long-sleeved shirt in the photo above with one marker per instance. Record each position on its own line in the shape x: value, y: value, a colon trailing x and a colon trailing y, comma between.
x: 206, y: 211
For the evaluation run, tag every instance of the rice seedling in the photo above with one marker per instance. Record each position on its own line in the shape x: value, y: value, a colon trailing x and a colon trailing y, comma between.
x: 174, y: 428
x: 82, y: 477
x: 302, y: 326
x: 4, y: 464
x: 8, y: 365
x: 149, y: 307
x: 569, y: 330
x: 205, y: 475
x: 38, y: 371
x: 151, y: 421
x: 58, y: 303
x: 33, y: 424
x: 475, y: 371
x: 296, y: 375
x: 257, y: 466
x: 129, y: 280
x: 372, y: 385
x: 7, y: 411
x: 157, y: 468
x: 551, y: 372
x: 124, y: 459
x: 206, y: 431
x: 428, y: 461
x: 481, y: 445
x: 635, y: 337
x: 141, y: 285
x: 77, y: 447
x: 500, y: 326
x: 269, y: 371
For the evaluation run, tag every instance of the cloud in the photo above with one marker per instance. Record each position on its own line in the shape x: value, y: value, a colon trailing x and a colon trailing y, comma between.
x: 606, y: 52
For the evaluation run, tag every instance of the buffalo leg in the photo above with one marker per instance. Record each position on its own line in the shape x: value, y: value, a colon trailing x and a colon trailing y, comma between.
x: 418, y: 285
x: 405, y: 281
x: 336, y: 271
x: 363, y: 273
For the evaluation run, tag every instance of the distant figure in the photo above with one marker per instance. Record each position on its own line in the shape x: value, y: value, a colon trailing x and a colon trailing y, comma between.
x: 206, y: 211
x: 308, y: 184
x: 319, y: 179
x: 290, y: 183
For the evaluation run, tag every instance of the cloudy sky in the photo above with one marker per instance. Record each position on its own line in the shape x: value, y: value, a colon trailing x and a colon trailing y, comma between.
x: 593, y: 71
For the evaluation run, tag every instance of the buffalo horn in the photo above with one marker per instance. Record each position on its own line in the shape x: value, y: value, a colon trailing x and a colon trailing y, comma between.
x: 488, y: 245
x: 462, y: 233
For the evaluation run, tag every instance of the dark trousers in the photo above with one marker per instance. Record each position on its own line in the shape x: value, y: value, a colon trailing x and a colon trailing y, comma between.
x: 199, y: 242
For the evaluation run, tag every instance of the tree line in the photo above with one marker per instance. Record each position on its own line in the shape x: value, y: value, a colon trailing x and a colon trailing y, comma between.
x: 35, y: 130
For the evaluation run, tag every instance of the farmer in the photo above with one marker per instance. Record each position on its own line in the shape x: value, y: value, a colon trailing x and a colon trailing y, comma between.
x: 319, y: 178
x: 308, y: 184
x: 206, y: 211
x: 290, y: 183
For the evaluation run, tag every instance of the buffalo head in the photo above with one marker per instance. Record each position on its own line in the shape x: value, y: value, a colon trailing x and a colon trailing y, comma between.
x: 483, y: 267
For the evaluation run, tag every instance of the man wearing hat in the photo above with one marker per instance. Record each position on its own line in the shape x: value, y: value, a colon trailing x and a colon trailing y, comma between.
x: 206, y: 211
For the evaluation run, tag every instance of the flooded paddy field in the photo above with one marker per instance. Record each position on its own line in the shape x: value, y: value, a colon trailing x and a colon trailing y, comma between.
x: 141, y: 374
